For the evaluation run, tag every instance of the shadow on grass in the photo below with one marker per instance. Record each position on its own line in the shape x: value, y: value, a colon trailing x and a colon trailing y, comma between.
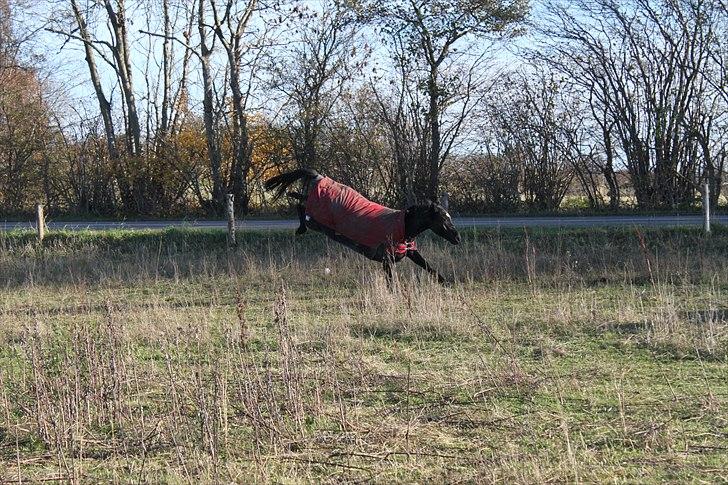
x: 400, y: 331
x: 708, y: 316
x: 679, y: 347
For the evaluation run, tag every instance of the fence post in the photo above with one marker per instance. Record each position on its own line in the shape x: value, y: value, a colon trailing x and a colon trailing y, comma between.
x: 40, y: 222
x: 706, y: 206
x: 445, y: 201
x: 230, y: 210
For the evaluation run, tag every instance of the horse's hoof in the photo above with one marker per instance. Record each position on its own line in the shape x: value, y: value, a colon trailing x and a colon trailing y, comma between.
x: 301, y: 230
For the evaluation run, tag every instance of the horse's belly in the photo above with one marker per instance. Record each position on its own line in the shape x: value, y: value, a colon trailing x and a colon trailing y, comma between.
x: 369, y: 229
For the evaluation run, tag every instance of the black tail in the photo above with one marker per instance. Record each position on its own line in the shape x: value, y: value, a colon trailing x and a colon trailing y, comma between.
x: 280, y: 183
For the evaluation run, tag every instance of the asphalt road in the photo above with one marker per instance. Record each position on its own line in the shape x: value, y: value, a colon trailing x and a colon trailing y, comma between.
x: 595, y: 221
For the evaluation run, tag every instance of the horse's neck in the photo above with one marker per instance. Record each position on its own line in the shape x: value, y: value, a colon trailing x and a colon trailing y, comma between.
x: 416, y: 221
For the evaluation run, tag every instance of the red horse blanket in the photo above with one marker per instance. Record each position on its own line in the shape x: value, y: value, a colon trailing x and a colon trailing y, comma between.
x: 350, y: 214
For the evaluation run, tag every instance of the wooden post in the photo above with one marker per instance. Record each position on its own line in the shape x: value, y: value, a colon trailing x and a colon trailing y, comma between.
x: 706, y: 206
x: 40, y: 221
x: 230, y: 210
x: 445, y: 201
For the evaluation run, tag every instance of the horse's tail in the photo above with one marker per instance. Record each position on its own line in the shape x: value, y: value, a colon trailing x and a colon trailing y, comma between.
x: 281, y: 182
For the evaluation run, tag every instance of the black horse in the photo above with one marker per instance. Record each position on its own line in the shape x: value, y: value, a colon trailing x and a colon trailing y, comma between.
x: 409, y: 223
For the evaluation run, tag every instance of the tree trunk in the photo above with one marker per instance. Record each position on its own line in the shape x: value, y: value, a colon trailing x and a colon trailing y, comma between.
x: 241, y: 140
x: 213, y: 149
x: 124, y: 70
x: 242, y: 147
x: 166, y: 73
x: 608, y: 170
x: 434, y: 119
x: 104, y: 105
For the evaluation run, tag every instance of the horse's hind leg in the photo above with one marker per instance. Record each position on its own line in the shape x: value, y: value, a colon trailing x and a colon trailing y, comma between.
x: 301, y: 210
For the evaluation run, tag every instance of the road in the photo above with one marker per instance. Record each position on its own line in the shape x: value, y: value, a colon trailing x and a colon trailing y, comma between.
x: 493, y: 222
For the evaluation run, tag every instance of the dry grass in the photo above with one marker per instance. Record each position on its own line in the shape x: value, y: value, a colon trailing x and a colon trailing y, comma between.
x: 577, y: 356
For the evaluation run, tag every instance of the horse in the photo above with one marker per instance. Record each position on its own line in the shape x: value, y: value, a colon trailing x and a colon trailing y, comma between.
x: 377, y: 232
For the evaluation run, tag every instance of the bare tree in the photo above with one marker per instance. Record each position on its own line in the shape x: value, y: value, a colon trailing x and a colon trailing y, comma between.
x: 230, y: 24
x: 355, y: 147
x: 208, y: 105
x: 117, y: 16
x: 400, y: 110
x: 487, y: 182
x: 115, y: 52
x: 539, y: 133
x: 167, y: 102
x: 104, y: 105
x: 403, y: 107
x: 439, y: 35
x: 166, y: 70
x: 312, y: 73
x: 642, y: 63
x: 218, y: 24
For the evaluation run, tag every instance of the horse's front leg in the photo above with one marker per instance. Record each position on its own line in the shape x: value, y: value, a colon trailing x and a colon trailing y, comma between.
x: 417, y: 258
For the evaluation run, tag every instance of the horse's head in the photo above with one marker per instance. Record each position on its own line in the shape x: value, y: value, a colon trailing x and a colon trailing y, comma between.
x: 441, y: 223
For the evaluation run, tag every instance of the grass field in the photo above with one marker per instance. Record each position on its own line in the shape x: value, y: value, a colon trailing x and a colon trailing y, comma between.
x: 557, y: 356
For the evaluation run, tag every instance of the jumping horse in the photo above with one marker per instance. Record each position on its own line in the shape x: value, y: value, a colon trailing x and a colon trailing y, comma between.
x: 379, y: 233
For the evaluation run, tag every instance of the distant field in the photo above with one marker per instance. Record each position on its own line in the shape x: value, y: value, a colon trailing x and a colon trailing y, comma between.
x: 584, y: 355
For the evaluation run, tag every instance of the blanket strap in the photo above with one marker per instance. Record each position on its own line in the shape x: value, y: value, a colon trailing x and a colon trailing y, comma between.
x: 400, y: 249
